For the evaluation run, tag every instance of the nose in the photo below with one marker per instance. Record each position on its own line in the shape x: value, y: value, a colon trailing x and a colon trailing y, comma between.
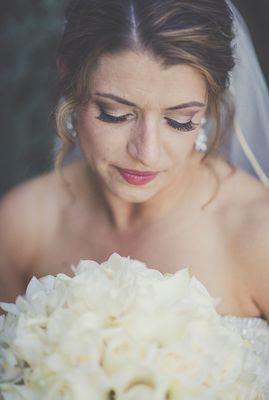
x: 145, y: 143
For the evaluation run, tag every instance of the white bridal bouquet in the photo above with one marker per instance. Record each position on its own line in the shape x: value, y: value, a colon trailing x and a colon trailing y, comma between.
x: 122, y: 331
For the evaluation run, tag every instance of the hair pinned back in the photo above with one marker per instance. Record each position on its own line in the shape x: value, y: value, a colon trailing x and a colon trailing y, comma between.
x: 197, y: 33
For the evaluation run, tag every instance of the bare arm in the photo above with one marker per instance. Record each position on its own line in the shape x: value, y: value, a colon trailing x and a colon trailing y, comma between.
x: 258, y: 261
x: 262, y: 274
x: 18, y: 240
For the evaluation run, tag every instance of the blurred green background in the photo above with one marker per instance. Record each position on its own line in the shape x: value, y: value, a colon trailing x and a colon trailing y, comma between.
x: 29, y: 34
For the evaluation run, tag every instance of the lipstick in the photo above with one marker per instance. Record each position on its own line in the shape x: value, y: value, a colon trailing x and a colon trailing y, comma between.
x: 137, y: 177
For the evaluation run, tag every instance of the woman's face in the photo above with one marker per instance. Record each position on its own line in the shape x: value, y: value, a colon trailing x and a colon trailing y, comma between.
x: 141, y: 117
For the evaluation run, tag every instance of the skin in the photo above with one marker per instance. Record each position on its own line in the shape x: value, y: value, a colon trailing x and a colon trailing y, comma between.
x: 44, y: 230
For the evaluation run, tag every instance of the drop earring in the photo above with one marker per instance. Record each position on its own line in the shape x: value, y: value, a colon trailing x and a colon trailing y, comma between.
x: 201, y: 140
x: 70, y: 125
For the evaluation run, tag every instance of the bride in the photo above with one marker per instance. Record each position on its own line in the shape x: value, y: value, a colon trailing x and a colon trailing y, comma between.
x: 139, y: 81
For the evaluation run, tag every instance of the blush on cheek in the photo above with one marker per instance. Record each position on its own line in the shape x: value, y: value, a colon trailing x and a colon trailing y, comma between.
x: 184, y: 146
x: 100, y: 148
x: 86, y: 118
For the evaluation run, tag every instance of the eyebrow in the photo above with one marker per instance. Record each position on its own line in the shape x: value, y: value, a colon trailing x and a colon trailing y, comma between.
x: 129, y: 103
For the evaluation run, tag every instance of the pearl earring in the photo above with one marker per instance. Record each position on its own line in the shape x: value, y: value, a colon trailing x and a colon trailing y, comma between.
x: 201, y: 140
x: 70, y: 122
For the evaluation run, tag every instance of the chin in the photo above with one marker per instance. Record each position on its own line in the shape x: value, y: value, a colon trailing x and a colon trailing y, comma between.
x: 135, y: 195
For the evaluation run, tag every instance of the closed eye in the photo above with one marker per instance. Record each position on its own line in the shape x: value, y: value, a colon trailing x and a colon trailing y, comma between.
x: 184, y: 127
x: 112, y: 118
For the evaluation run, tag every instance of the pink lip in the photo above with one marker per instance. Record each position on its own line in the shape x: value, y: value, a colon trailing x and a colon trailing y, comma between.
x: 137, y: 177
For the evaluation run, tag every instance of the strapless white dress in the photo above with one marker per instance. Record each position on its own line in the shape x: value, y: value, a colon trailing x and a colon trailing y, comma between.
x: 256, y: 330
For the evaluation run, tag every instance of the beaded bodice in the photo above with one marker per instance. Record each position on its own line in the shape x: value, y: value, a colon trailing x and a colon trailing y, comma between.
x: 256, y: 330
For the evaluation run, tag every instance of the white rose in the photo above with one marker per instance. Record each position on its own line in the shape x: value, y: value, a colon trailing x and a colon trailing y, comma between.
x: 120, y: 350
x: 126, y: 329
x: 138, y: 379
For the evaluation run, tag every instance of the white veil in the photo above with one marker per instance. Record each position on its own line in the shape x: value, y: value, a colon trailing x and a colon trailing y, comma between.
x: 248, y: 145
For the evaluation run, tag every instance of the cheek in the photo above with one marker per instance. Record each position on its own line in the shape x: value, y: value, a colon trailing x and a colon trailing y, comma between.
x: 100, y: 140
x: 182, y: 148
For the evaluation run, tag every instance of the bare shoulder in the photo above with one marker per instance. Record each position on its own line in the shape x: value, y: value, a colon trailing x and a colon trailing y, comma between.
x: 254, y: 247
x: 30, y: 208
x: 254, y: 244
x: 29, y: 215
x: 244, y: 212
x: 20, y: 213
x: 239, y: 193
x: 249, y: 200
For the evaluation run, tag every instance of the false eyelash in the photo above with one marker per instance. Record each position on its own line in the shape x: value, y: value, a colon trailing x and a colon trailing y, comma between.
x: 186, y: 127
x: 111, y: 118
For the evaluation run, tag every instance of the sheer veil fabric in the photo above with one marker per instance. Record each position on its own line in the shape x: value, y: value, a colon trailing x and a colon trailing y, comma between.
x: 247, y: 143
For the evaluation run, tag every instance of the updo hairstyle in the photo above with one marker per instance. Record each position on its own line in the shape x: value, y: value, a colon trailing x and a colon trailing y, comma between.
x: 197, y: 33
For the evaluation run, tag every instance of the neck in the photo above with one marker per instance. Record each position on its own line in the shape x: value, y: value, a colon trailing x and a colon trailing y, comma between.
x: 125, y: 216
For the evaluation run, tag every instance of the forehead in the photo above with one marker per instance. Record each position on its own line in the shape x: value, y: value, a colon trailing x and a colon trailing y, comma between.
x: 140, y: 78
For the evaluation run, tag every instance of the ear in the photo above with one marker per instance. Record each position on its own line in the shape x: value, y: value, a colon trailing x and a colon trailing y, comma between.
x: 61, y: 67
